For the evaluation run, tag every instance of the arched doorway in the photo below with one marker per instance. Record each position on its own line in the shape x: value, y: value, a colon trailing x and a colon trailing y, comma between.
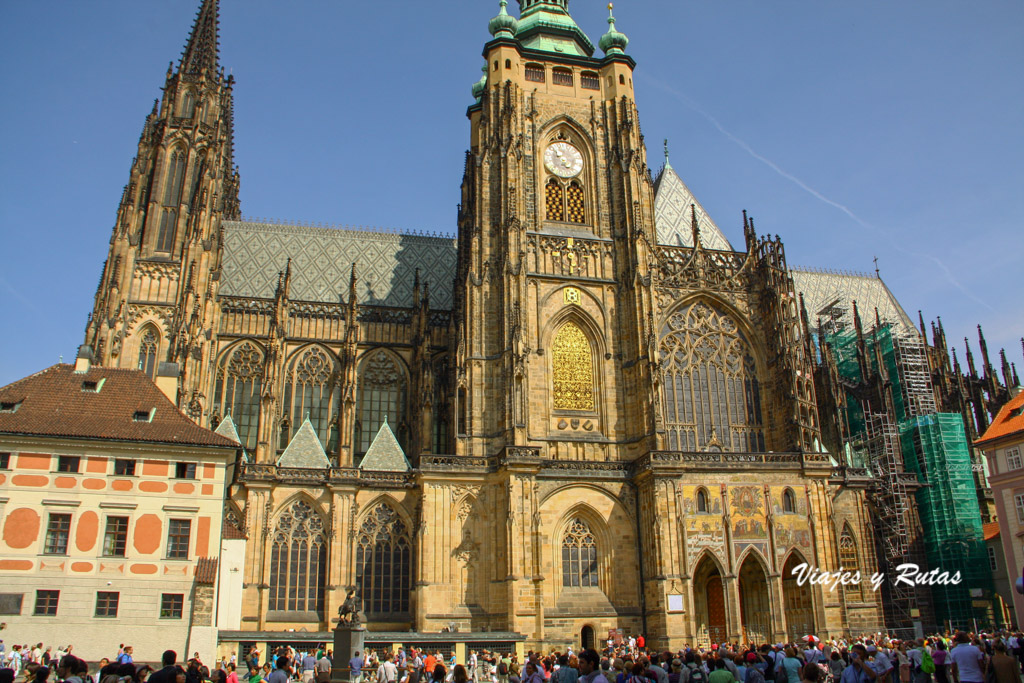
x: 797, y: 601
x: 755, y: 607
x: 709, y: 596
x: 587, y: 637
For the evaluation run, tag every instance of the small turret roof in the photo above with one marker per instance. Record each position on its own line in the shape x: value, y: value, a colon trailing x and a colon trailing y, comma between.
x: 304, y: 450
x: 385, y: 454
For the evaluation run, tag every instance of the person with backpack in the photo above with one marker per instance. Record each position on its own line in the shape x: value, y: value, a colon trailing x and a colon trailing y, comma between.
x: 694, y: 671
x: 922, y: 666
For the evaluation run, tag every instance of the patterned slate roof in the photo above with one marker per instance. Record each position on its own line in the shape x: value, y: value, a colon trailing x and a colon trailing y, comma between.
x: 385, y: 454
x: 672, y: 200
x: 322, y: 258
x: 98, y: 404
x: 304, y: 450
x: 831, y: 295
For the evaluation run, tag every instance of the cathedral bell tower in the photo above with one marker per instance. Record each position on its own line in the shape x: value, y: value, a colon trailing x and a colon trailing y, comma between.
x: 554, y: 310
x: 155, y: 300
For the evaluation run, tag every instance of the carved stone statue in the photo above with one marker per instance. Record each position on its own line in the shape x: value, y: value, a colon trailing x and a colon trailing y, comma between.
x: 348, y: 613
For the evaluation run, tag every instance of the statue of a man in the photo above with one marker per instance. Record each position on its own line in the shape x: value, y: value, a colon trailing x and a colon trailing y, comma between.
x: 348, y: 613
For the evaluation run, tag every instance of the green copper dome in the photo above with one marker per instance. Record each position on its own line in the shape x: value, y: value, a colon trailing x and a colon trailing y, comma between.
x: 613, y: 42
x: 547, y: 26
x: 481, y: 85
x: 503, y: 23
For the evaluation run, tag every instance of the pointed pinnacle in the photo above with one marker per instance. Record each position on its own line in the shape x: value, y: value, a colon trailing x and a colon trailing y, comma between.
x: 201, y: 51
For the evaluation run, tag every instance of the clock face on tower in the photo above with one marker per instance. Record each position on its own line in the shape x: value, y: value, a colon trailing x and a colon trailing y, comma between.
x: 563, y: 159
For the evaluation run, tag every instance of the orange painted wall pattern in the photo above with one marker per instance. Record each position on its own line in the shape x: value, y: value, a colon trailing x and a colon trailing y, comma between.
x: 86, y: 531
x: 153, y: 486
x: 94, y: 484
x: 65, y: 482
x: 121, y: 485
x: 21, y: 528
x: 208, y: 470
x: 203, y: 537
x: 148, y: 529
x: 33, y: 461
x: 154, y: 468
x: 143, y: 569
x: 81, y: 566
x: 96, y: 465
x: 18, y: 565
x: 30, y: 480
x: 185, y: 489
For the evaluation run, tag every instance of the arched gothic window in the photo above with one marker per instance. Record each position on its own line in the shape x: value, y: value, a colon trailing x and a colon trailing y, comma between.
x: 554, y: 200
x: 575, y: 212
x: 788, y: 501
x: 442, y: 405
x: 312, y: 388
x: 381, y: 394
x: 188, y: 104
x: 579, y: 555
x: 384, y: 562
x: 298, y: 561
x: 239, y: 380
x: 147, y: 352
x: 172, y: 201
x: 572, y: 369
x: 702, y: 500
x: 198, y: 171
x: 848, y: 559
x: 712, y: 394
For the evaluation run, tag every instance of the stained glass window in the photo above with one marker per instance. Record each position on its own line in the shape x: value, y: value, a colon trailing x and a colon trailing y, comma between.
x: 381, y: 394
x: 554, y: 200
x: 848, y: 560
x: 147, y: 352
x: 574, y: 208
x: 239, y: 379
x: 712, y: 393
x: 572, y: 369
x: 579, y: 555
x: 298, y: 561
x: 313, y: 388
x: 384, y: 562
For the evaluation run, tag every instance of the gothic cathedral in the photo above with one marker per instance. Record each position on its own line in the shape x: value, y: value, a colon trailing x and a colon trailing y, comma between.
x: 586, y: 412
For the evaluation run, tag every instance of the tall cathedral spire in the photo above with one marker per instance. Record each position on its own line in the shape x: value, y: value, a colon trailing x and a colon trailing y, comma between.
x: 201, y: 52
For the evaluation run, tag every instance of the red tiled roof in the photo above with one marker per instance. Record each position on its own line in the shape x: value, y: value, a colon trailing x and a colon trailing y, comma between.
x: 52, y: 402
x: 206, y: 571
x: 990, y: 530
x: 231, y: 532
x: 1010, y: 420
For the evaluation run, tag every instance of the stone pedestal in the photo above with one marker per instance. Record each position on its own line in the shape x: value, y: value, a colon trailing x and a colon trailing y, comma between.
x: 347, y: 639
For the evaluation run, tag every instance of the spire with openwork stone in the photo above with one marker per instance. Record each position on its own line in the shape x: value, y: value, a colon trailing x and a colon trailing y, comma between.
x: 201, y: 51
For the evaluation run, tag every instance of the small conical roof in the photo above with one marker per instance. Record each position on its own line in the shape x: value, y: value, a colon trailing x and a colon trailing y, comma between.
x: 504, y: 23
x: 226, y: 428
x: 304, y: 450
x: 385, y: 454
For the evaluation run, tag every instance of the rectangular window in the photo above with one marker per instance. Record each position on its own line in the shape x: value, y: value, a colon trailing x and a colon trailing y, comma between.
x: 1018, y: 500
x: 57, y: 531
x: 561, y: 77
x: 10, y: 603
x: 992, y: 564
x: 46, y: 603
x: 590, y: 81
x: 115, y: 539
x: 171, y: 605
x: 124, y: 468
x: 1013, y: 461
x: 5, y: 461
x: 106, y: 604
x: 185, y: 470
x: 534, y: 73
x: 67, y: 463
x: 178, y: 533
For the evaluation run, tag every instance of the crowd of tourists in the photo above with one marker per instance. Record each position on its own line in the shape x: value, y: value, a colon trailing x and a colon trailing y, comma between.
x: 960, y: 658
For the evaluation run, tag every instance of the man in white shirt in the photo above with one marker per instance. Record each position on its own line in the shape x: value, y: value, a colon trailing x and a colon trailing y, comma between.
x: 967, y: 661
x: 387, y: 672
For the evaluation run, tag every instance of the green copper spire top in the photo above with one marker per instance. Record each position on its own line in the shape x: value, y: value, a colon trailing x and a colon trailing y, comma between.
x: 613, y: 42
x: 546, y: 25
x: 481, y: 85
x: 667, y: 164
x: 504, y: 23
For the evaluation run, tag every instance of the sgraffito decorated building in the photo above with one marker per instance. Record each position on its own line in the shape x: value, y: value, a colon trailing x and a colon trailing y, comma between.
x: 586, y: 411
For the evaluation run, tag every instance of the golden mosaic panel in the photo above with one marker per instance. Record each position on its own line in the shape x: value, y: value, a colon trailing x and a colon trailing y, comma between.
x: 572, y: 296
x: 574, y: 204
x: 554, y: 201
x: 572, y: 369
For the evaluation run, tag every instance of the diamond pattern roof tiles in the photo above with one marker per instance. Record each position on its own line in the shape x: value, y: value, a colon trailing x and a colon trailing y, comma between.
x: 672, y: 200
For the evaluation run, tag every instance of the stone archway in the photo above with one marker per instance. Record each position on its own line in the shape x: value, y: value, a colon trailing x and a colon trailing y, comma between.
x: 587, y: 637
x: 797, y: 601
x: 709, y: 601
x: 755, y: 605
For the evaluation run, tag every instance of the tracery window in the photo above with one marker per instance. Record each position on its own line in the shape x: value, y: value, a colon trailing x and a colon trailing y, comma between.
x: 554, y: 200
x: 239, y: 380
x: 848, y: 560
x: 579, y: 555
x: 381, y: 394
x: 172, y: 201
x: 712, y: 394
x: 572, y: 369
x: 442, y: 405
x: 147, y: 352
x: 298, y: 561
x: 313, y: 388
x: 384, y: 562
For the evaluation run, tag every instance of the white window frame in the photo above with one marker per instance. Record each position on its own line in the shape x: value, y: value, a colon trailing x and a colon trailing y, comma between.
x: 1013, y: 460
x: 1018, y: 501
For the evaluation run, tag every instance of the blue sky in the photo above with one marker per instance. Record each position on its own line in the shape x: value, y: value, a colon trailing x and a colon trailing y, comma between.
x: 851, y: 129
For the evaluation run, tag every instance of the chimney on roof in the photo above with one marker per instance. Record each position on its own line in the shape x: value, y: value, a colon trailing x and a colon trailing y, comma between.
x: 83, y: 361
x: 167, y: 380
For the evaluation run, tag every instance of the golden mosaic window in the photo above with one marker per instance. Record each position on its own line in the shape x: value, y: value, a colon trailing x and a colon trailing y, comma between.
x: 848, y: 560
x: 384, y: 562
x: 313, y: 388
x: 574, y: 209
x: 711, y: 389
x: 554, y: 201
x: 237, y: 393
x: 298, y: 561
x: 147, y: 352
x: 579, y: 555
x: 572, y: 369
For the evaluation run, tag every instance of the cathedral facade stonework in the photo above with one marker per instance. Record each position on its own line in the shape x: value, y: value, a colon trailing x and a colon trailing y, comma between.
x: 586, y: 412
